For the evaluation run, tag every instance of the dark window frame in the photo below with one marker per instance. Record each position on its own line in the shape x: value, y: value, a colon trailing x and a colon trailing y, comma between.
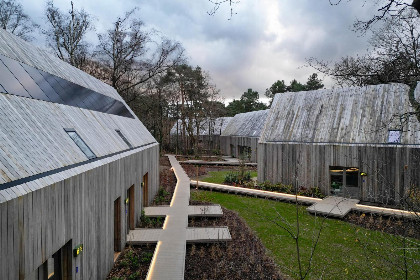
x: 84, y: 147
x: 124, y: 138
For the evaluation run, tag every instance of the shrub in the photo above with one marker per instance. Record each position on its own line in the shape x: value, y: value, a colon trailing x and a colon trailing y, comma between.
x: 236, y: 178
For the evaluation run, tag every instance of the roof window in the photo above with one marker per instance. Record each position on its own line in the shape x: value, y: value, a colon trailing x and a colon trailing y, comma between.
x: 80, y: 143
x: 123, y: 138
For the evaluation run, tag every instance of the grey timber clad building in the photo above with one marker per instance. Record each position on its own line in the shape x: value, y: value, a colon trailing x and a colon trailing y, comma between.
x: 76, y: 167
x: 208, y: 133
x: 240, y: 137
x: 362, y: 143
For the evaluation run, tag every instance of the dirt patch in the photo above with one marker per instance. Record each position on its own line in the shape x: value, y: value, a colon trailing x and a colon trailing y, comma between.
x: 133, y: 263
x: 392, y: 225
x: 242, y: 258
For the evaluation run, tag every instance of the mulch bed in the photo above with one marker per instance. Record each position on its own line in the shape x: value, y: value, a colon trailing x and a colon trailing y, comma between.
x: 388, y: 224
x: 133, y: 263
x: 242, y: 258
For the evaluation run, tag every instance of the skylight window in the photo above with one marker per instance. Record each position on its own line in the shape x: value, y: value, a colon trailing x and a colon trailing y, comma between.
x: 123, y: 138
x: 81, y: 144
x: 394, y: 136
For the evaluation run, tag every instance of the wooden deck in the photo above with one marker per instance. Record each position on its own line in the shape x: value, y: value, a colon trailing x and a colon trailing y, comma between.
x: 333, y: 206
x: 193, y: 235
x: 227, y: 161
x: 169, y: 258
x: 193, y: 211
x: 343, y: 206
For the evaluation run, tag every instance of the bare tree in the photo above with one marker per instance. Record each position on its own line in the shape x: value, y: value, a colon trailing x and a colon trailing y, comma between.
x: 394, y: 57
x: 66, y: 33
x: 217, y: 4
x: 15, y: 21
x: 394, y: 8
x: 125, y: 51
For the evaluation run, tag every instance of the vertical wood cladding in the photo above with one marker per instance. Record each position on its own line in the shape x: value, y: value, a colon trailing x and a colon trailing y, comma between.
x: 391, y: 170
x: 79, y: 208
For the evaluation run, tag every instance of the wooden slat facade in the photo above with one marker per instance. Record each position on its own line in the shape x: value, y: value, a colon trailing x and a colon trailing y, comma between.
x: 243, y: 130
x: 307, y: 133
x: 52, y: 197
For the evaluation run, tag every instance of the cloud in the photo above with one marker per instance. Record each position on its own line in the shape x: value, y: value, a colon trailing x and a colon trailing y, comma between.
x: 265, y: 40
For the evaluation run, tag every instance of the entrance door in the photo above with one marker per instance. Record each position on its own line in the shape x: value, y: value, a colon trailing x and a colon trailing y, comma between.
x: 117, y: 225
x: 130, y: 208
x: 145, y: 184
x: 345, y: 181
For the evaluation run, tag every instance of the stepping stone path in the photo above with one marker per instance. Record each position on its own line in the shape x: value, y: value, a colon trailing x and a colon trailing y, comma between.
x: 169, y: 258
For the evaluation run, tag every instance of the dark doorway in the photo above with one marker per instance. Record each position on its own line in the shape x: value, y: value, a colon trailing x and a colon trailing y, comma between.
x: 130, y: 208
x: 117, y: 225
x: 59, y: 266
x: 145, y: 185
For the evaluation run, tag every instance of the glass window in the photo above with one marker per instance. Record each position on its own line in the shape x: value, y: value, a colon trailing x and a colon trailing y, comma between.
x: 394, y: 136
x: 10, y: 83
x: 123, y: 138
x: 43, y: 84
x: 23, y: 77
x: 81, y: 144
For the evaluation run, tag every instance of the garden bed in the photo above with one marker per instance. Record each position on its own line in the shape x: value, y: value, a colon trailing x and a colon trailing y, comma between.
x: 244, y: 257
x: 133, y: 263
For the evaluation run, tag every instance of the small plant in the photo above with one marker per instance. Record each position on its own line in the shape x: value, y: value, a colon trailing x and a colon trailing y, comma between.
x: 134, y: 276
x: 124, y: 263
x: 238, y: 178
x: 144, y: 219
x: 146, y: 257
x: 133, y: 260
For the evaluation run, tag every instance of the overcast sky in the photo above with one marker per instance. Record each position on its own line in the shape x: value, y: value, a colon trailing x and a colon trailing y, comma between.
x: 265, y: 41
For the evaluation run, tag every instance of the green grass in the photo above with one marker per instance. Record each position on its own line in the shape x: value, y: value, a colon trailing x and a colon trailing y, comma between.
x: 218, y: 177
x: 344, y: 251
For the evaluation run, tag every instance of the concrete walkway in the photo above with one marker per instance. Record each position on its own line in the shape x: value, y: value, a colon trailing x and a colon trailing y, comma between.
x: 169, y: 258
x: 329, y: 206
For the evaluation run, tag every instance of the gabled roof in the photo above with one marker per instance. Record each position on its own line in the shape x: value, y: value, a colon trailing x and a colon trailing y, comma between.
x: 33, y: 137
x: 342, y: 115
x: 207, y: 126
x: 246, y: 124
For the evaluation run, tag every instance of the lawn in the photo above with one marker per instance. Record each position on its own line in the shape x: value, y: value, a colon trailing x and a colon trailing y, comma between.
x: 344, y: 251
x: 218, y: 177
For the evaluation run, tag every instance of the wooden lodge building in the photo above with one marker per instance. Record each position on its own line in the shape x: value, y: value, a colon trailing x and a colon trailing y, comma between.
x: 207, y: 132
x: 241, y: 135
x: 76, y: 167
x: 355, y: 142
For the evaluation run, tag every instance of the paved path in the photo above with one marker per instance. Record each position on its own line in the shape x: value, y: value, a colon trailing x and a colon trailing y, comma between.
x: 169, y: 258
x: 329, y: 208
